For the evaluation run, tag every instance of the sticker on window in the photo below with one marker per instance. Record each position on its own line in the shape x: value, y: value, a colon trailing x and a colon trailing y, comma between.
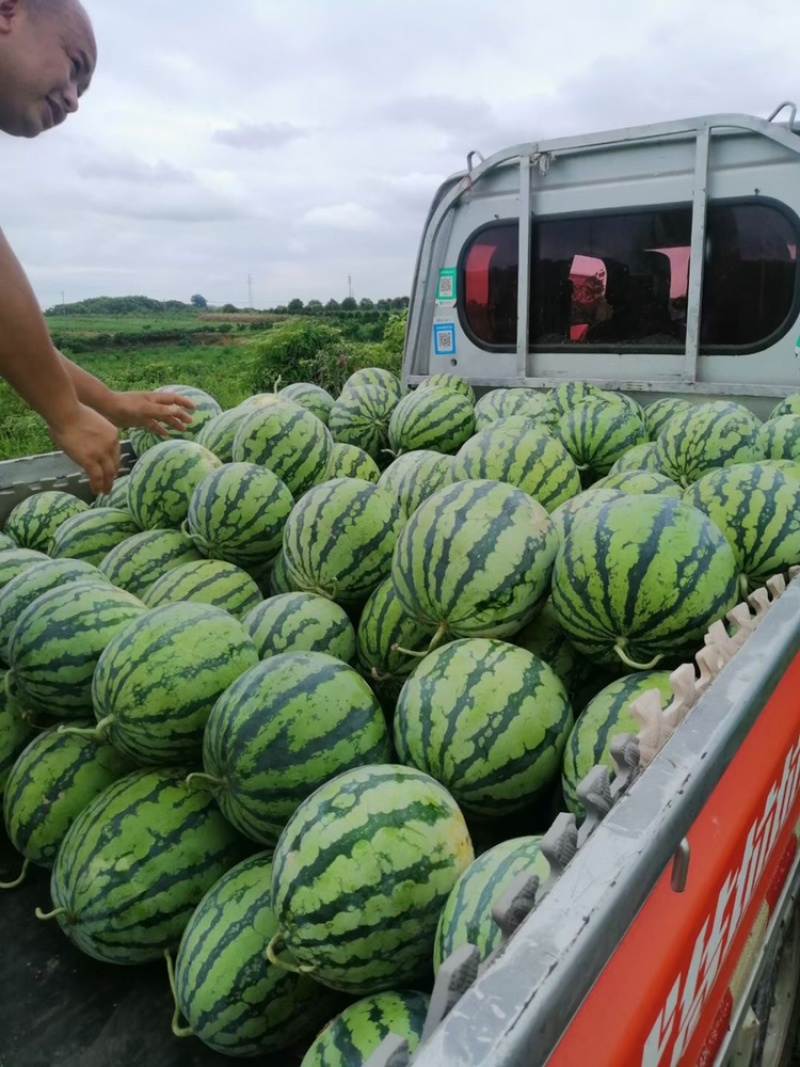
x: 444, y: 339
x: 447, y: 290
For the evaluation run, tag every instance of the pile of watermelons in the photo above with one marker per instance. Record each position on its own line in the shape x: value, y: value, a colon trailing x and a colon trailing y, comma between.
x: 264, y: 704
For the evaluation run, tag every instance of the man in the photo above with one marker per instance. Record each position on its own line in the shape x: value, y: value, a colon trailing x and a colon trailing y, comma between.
x: 47, y: 59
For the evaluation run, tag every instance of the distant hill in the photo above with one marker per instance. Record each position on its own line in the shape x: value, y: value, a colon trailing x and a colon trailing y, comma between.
x: 121, y: 305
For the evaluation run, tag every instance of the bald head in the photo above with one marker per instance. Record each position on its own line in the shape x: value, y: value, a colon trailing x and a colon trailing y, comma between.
x: 47, y: 59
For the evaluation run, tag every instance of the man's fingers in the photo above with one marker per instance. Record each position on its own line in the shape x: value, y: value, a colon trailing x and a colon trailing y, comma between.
x: 96, y: 478
x: 173, y: 398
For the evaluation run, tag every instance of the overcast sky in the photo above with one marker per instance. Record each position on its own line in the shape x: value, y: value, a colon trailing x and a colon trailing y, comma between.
x: 301, y: 141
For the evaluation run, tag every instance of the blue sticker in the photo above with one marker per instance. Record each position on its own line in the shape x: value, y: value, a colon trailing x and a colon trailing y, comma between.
x: 444, y: 339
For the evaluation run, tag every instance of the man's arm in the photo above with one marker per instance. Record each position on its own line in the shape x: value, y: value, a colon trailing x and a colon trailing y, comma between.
x: 34, y: 369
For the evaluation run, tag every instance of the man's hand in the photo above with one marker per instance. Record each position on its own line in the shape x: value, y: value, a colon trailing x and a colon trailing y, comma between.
x: 93, y: 443
x: 153, y: 411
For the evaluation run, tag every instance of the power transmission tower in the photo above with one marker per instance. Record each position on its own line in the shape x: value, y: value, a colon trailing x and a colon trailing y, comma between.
x: 249, y: 290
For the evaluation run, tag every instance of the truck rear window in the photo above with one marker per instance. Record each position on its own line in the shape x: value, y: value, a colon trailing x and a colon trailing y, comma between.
x: 622, y: 279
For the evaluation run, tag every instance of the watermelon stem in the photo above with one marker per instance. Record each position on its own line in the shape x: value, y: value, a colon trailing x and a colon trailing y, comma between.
x: 619, y: 648
x: 407, y: 652
x: 47, y: 916
x: 379, y: 676
x: 177, y: 1029
x: 438, y: 637
x: 206, y: 779
x: 17, y: 881
x: 95, y: 733
x: 272, y: 955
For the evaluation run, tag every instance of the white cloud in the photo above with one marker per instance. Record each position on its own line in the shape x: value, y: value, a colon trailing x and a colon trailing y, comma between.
x: 347, y: 216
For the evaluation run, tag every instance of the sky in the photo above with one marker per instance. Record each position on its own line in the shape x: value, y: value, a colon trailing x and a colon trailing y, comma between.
x: 299, y: 144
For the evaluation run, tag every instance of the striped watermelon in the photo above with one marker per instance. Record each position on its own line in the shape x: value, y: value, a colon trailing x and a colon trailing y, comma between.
x: 524, y: 455
x: 375, y: 376
x: 288, y: 439
x: 382, y: 626
x: 467, y: 916
x: 637, y: 482
x: 544, y: 638
x: 15, y: 731
x: 439, y: 419
x: 779, y: 438
x: 350, y: 461
x: 339, y: 539
x: 361, y: 417
x: 642, y: 579
x: 206, y: 581
x: 92, y: 534
x: 475, y: 560
x: 790, y: 405
x: 205, y: 409
x: 415, y: 476
x: 50, y: 784
x: 449, y: 381
x: 140, y: 560
x: 117, y: 498
x: 311, y: 397
x: 605, y: 716
x: 35, y: 519
x: 163, y: 480
x: 361, y: 872
x: 233, y: 999
x: 301, y: 622
x: 659, y: 413
x: 569, y: 395
x: 57, y: 641
x: 218, y: 434
x: 639, y: 458
x: 597, y: 432
x: 280, y: 580
x: 352, y: 1037
x: 136, y: 863
x: 714, y: 434
x: 260, y: 400
x: 159, y: 677
x: 486, y: 719
x: 14, y: 561
x: 28, y: 586
x: 504, y: 403
x: 284, y: 728
x: 237, y: 514
x: 757, y: 508
x: 7, y: 543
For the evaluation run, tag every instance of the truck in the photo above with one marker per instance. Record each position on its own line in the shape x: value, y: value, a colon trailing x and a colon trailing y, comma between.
x: 657, y: 261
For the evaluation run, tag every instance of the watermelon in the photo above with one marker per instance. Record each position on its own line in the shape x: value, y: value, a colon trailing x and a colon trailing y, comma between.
x: 14, y: 561
x: 117, y: 498
x: 135, y: 864
x: 29, y: 586
x: 259, y: 401
x: 439, y: 419
x: 597, y: 432
x: 382, y: 626
x: 361, y: 417
x: 636, y: 482
x: 375, y: 376
x: 352, y: 1037
x: 715, y: 434
x: 280, y: 580
x: 524, y: 455
x: 360, y: 874
x: 546, y: 640
x: 486, y: 719
x: 140, y: 560
x: 779, y: 438
x: 659, y: 413
x: 449, y: 381
x: 642, y: 579
x: 475, y: 560
x: 234, y: 1000
x: 301, y: 622
x: 288, y: 439
x: 502, y: 403
x: 7, y: 543
x: 35, y: 519
x: 159, y: 677
x: 90, y: 535
x: 350, y: 461
x: 339, y: 539
x: 415, y: 476
x: 163, y: 480
x: 757, y: 508
x: 15, y: 730
x: 639, y: 458
x: 58, y: 639
x: 218, y: 434
x: 284, y: 728
x: 570, y: 395
x: 52, y: 781
x: 311, y: 397
x: 205, y: 409
x: 206, y: 581
x: 790, y: 405
x: 605, y: 716
x: 467, y: 916
x: 237, y: 513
